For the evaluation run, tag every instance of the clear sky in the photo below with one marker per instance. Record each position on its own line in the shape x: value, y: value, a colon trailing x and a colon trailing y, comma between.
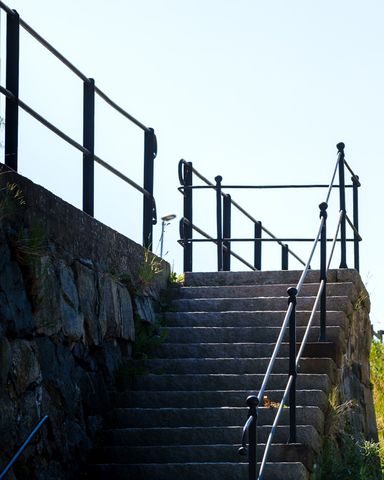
x: 257, y: 91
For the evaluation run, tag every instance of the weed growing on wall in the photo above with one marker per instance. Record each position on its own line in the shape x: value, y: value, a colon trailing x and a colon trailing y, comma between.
x: 377, y: 379
x: 149, y: 269
x: 11, y: 199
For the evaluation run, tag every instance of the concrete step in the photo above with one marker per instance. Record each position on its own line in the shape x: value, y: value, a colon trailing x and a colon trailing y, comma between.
x: 224, y: 382
x: 245, y: 334
x: 218, y: 398
x: 249, y: 319
x: 233, y: 365
x: 341, y: 303
x: 196, y: 471
x: 290, y: 277
x: 296, y: 452
x: 240, y: 350
x: 208, y: 417
x: 252, y: 291
x: 306, y: 434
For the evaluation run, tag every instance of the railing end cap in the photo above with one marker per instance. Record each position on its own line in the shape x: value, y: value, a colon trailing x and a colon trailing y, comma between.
x: 340, y: 146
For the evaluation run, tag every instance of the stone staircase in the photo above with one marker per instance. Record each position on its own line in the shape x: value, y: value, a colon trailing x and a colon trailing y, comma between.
x: 186, y: 422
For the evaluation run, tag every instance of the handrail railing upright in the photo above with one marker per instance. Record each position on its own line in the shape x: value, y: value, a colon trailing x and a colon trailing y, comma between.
x: 13, y: 103
x: 294, y: 358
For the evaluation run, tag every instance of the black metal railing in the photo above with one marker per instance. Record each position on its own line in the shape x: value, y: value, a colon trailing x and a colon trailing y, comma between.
x: 90, y: 90
x: 289, y: 396
x: 224, y: 202
x: 22, y: 447
x: 223, y: 239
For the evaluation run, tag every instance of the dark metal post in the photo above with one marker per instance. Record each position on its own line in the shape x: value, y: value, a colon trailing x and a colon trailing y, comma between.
x: 284, y: 257
x: 323, y: 272
x: 12, y: 84
x: 150, y: 152
x: 89, y: 144
x: 252, y: 402
x: 257, y: 254
x: 343, y: 235
x: 185, y: 177
x: 356, y: 185
x: 227, y: 233
x: 219, y: 224
x: 292, y: 292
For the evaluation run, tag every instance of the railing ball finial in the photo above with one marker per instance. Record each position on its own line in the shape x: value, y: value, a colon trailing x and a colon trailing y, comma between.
x: 252, y: 401
x: 218, y: 179
x: 323, y: 209
x: 340, y: 146
x: 292, y: 292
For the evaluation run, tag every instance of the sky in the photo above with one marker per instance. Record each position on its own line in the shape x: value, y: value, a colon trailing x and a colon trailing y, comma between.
x: 259, y: 92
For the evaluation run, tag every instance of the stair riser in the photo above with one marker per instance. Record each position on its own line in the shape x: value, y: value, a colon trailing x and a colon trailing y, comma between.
x: 193, y: 399
x: 249, y: 291
x: 244, y: 334
x: 146, y: 418
x: 290, y: 277
x: 239, y: 350
x: 255, y: 304
x: 234, y: 366
x: 204, y: 471
x: 249, y: 319
x: 223, y: 382
x: 204, y: 436
x: 199, y: 453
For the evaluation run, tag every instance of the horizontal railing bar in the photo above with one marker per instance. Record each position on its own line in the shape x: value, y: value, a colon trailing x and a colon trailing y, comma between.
x: 213, y: 240
x: 202, y: 187
x: 74, y: 69
x: 267, y: 239
x: 353, y: 228
x: 120, y: 109
x: 72, y: 142
x: 23, y: 446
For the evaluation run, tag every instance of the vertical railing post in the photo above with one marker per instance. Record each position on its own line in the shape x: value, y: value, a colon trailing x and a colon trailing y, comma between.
x: 227, y: 233
x: 252, y: 402
x: 323, y: 272
x: 185, y: 178
x: 89, y: 144
x: 284, y: 257
x: 343, y: 235
x: 257, y: 251
x: 219, y: 224
x: 292, y: 293
x: 356, y: 185
x: 12, y: 84
x: 150, y: 152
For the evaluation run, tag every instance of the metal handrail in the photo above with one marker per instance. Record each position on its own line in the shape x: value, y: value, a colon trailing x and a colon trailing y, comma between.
x: 71, y: 66
x: 71, y: 141
x: 22, y: 448
x: 290, y: 313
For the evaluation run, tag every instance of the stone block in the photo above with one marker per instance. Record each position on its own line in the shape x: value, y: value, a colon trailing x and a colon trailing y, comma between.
x: 25, y: 368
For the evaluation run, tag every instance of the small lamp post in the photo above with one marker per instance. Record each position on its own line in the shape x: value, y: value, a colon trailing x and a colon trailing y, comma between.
x: 164, y: 222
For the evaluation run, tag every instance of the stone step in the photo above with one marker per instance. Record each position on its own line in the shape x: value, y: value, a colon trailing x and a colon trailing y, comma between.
x: 196, y: 471
x: 342, y: 303
x: 208, y: 417
x: 249, y: 319
x: 296, y: 452
x: 251, y: 291
x: 219, y: 398
x: 231, y: 382
x: 306, y: 434
x: 233, y: 365
x: 241, y: 350
x: 245, y: 334
x: 290, y: 277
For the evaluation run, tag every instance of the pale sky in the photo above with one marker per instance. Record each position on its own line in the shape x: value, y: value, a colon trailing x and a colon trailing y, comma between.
x: 259, y: 92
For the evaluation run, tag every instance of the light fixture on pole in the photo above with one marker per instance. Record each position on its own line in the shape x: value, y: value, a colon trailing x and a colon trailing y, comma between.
x: 164, y: 222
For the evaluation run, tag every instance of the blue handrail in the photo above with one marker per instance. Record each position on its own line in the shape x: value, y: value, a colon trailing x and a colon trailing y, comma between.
x: 23, y: 446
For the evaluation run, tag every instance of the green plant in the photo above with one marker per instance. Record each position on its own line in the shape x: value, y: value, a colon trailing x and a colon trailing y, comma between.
x: 29, y: 245
x: 377, y: 379
x: 361, y: 301
x: 11, y: 199
x: 148, y: 337
x: 149, y: 269
x: 175, y: 278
